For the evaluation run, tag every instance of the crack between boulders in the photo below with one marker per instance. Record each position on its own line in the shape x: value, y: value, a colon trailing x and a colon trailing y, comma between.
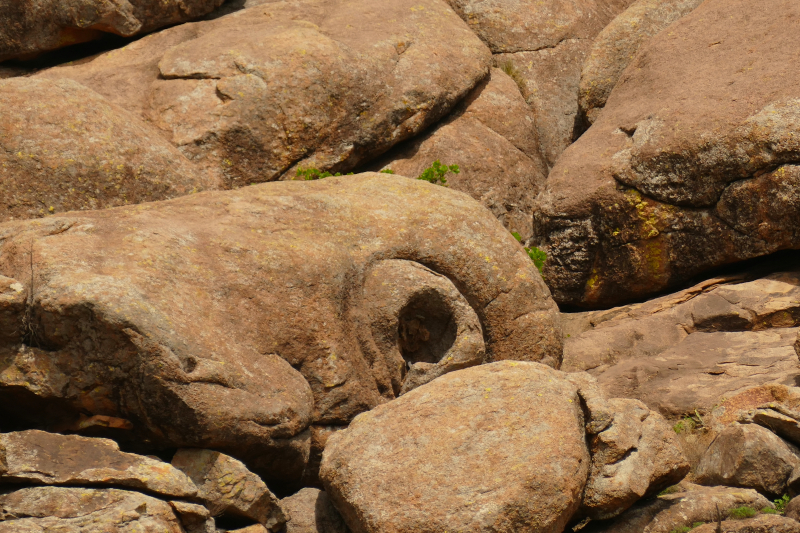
x: 545, y: 47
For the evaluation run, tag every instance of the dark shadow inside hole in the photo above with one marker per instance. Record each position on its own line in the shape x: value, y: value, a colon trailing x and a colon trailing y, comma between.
x: 426, y: 328
x: 228, y: 522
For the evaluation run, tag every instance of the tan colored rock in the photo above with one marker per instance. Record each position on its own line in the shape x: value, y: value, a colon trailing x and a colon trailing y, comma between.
x: 768, y: 523
x: 256, y: 94
x: 241, y: 320
x: 749, y: 456
x: 793, y: 509
x: 492, y: 137
x: 226, y: 486
x: 51, y: 459
x: 686, y: 506
x: 616, y: 46
x: 498, y: 447
x: 311, y: 511
x: 194, y: 518
x: 64, y: 148
x: 29, y: 27
x: 691, y: 165
x: 84, y: 510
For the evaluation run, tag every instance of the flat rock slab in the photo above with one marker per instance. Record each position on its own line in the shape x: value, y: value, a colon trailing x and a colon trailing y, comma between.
x: 51, y: 459
x: 499, y: 447
x: 759, y: 524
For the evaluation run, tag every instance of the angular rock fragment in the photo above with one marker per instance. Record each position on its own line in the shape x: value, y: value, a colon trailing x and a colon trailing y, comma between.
x: 194, y: 518
x: 226, y: 486
x: 311, y: 511
x: 51, y: 459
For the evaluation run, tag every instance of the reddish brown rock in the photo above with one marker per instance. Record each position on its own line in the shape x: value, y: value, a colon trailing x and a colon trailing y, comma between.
x: 232, y: 321
x: 256, y: 94
x: 64, y: 148
x: 311, y: 511
x: 29, y: 27
x: 691, y: 164
x: 768, y: 523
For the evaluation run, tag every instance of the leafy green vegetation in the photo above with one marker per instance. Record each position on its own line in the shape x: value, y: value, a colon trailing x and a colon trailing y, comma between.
x: 537, y: 256
x: 781, y: 503
x: 670, y: 490
x: 689, y: 424
x: 770, y: 510
x: 309, y: 174
x: 387, y: 171
x: 740, y: 513
x: 437, y: 171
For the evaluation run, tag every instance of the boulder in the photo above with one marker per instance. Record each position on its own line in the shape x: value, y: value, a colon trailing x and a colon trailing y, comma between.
x: 792, y: 509
x: 311, y: 511
x: 232, y: 321
x: 750, y: 456
x: 257, y: 94
x: 615, y: 47
x: 693, y: 349
x: 683, y: 507
x: 499, y: 447
x: 768, y: 523
x: 51, y: 459
x: 29, y: 27
x: 63, y: 147
x: 690, y: 166
x: 492, y: 137
x: 226, y: 486
x: 194, y: 518
x: 41, y: 509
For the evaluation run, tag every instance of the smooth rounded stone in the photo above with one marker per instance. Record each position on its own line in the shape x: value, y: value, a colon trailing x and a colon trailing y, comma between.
x: 262, y: 92
x: 616, y: 46
x: 311, y: 511
x: 793, y: 509
x: 37, y: 457
x: 768, y: 523
x: 84, y: 510
x: 498, y: 447
x: 683, y: 507
x: 63, y: 147
x: 690, y: 166
x: 492, y: 137
x: 749, y: 456
x: 235, y: 320
x: 29, y: 27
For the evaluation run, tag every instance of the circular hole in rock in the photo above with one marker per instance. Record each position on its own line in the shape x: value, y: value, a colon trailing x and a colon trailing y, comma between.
x: 426, y: 328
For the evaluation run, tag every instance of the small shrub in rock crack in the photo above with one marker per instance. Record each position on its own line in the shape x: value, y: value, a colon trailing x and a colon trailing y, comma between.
x: 537, y: 256
x: 740, y: 513
x: 437, y: 171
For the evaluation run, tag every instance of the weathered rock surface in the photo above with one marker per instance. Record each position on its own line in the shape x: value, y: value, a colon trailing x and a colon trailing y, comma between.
x: 63, y: 147
x: 492, y: 137
x: 226, y: 486
x: 691, y: 164
x: 29, y: 27
x: 265, y: 90
x: 750, y: 456
x: 194, y: 518
x: 768, y: 523
x: 45, y: 509
x: 232, y: 321
x: 685, y: 507
x: 616, y: 46
x: 793, y: 509
x: 498, y: 447
x: 311, y: 511
x: 692, y: 349
x: 52, y: 459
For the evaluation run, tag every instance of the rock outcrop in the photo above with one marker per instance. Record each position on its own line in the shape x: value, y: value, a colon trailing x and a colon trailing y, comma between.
x: 691, y: 165
x: 760, y: 524
x: 232, y: 321
x: 311, y: 511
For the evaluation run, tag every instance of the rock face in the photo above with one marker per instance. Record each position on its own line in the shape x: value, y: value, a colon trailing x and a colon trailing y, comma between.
x: 29, y: 27
x: 73, y: 150
x: 759, y: 524
x: 52, y: 459
x: 692, y: 349
x: 616, y: 46
x: 229, y: 320
x: 226, y: 486
x: 39, y: 509
x: 657, y: 191
x: 311, y: 511
x: 750, y: 456
x: 492, y: 136
x: 258, y: 93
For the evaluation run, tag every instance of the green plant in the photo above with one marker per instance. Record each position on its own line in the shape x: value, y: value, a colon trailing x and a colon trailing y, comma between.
x: 387, y: 171
x: 697, y: 524
x: 770, y: 510
x: 740, y: 513
x: 682, y: 529
x: 537, y: 255
x: 436, y: 173
x: 781, y: 503
x: 509, y: 68
x: 309, y: 174
x: 670, y: 490
x: 689, y: 423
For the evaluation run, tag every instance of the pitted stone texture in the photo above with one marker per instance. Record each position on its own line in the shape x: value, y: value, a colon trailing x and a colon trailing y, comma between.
x: 231, y: 321
x: 311, y: 511
x: 29, y: 27
x: 63, y: 147
x: 257, y: 94
x: 691, y: 165
x: 498, y: 447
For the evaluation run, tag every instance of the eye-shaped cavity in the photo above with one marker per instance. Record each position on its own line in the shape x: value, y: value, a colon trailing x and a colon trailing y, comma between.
x: 420, y: 326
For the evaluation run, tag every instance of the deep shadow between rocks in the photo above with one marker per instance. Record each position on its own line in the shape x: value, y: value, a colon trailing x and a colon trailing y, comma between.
x: 426, y: 328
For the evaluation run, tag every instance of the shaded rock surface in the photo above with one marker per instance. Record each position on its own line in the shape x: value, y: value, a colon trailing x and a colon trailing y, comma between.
x: 255, y: 94
x: 311, y: 511
x: 230, y: 321
x: 492, y: 137
x: 29, y: 27
x: 760, y: 524
x: 51, y: 459
x: 691, y: 165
